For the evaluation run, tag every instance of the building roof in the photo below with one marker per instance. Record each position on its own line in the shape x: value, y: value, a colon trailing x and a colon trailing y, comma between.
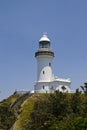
x: 44, y: 38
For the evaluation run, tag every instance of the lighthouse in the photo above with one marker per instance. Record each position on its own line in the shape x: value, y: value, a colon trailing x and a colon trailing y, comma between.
x: 46, y: 81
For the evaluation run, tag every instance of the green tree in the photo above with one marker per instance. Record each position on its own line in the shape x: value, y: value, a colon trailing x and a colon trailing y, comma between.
x: 7, y: 116
x: 84, y: 88
x: 63, y: 88
x: 76, y: 102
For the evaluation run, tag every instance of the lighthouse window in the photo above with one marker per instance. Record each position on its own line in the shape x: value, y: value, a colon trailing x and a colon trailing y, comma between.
x: 49, y: 64
x: 45, y: 45
x: 43, y: 72
x: 40, y: 45
x: 43, y: 87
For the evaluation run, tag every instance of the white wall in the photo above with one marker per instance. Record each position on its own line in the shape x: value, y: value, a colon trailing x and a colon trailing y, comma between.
x: 52, y: 86
x: 44, y: 71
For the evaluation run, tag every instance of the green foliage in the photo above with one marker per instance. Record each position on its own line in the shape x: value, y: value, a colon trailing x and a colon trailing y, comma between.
x: 59, y: 111
x: 24, y: 116
x: 76, y: 103
x: 7, y: 116
x: 56, y: 111
x: 76, y: 123
x: 63, y: 88
x: 84, y: 88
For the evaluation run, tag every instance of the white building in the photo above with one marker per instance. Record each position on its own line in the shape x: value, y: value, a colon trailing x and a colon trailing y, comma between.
x: 46, y: 81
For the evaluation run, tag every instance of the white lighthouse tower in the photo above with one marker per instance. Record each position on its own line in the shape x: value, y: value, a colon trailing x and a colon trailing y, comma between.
x: 46, y: 82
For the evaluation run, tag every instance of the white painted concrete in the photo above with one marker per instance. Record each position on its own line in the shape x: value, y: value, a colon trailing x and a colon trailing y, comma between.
x: 46, y: 81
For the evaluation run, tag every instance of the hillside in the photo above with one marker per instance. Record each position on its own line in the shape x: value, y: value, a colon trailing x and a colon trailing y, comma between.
x: 58, y: 111
x: 18, y: 106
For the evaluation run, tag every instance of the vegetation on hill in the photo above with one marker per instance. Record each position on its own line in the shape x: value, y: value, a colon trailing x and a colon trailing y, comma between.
x: 60, y: 111
x: 57, y: 111
x: 7, y: 114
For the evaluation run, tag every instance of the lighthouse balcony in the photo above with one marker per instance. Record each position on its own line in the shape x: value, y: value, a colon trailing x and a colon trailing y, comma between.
x: 44, y: 52
x: 44, y: 49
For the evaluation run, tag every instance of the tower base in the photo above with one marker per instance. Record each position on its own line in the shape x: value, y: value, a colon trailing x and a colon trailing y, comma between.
x: 62, y: 85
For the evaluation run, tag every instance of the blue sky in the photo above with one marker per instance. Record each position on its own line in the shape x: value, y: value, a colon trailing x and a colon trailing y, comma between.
x: 22, y: 23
